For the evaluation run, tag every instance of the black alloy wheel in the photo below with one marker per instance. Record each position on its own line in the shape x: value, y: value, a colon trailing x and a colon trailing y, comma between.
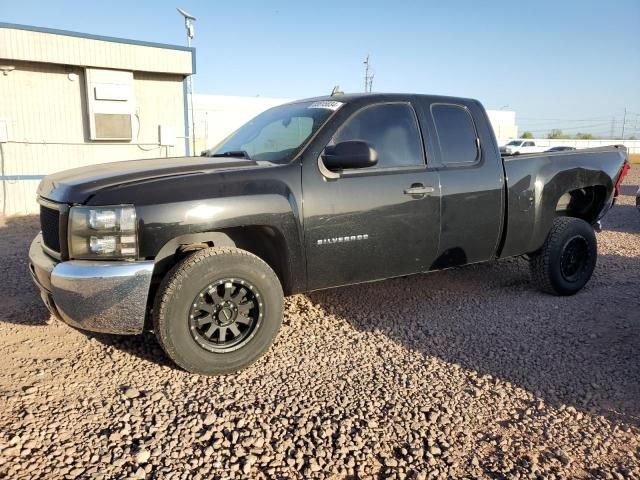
x: 567, y: 259
x: 574, y: 259
x: 225, y: 315
x: 218, y: 310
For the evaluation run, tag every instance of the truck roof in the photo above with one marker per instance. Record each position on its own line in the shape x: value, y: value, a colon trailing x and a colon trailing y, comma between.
x: 349, y: 97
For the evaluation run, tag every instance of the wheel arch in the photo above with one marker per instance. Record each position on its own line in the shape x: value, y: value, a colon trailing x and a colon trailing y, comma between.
x: 586, y: 203
x: 577, y: 193
x: 264, y: 241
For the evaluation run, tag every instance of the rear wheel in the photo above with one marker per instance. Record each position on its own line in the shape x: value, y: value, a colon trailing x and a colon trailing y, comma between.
x: 567, y: 259
x: 218, y: 310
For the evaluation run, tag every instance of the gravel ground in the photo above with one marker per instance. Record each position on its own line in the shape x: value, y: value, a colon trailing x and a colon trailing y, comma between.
x: 468, y: 373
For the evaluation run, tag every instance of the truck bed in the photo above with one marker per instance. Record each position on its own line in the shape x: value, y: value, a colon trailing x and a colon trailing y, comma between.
x: 537, y: 186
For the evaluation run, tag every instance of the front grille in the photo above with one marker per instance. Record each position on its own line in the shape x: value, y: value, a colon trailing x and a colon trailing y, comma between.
x: 50, y: 226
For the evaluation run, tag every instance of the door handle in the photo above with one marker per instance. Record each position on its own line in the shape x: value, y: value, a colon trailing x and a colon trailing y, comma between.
x: 418, y: 190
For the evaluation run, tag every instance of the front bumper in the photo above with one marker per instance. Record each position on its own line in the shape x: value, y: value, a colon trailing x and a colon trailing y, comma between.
x: 107, y: 296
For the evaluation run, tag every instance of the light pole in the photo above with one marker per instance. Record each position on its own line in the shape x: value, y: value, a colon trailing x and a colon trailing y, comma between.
x: 188, y: 25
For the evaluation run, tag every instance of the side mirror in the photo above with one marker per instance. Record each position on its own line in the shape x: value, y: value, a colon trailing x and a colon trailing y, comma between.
x: 351, y: 154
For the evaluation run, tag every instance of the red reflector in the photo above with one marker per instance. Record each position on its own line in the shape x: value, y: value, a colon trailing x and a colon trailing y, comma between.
x: 623, y: 173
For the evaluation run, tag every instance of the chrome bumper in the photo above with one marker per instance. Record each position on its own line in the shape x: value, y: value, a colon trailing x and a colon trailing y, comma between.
x: 105, y: 296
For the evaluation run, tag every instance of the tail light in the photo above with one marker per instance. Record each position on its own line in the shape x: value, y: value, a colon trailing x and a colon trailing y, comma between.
x: 623, y: 173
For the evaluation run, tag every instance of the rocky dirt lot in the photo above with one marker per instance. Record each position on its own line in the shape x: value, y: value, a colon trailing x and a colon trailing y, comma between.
x: 468, y: 373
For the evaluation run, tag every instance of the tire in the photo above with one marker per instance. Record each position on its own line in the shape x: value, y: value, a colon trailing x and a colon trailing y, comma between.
x: 567, y: 259
x: 218, y: 311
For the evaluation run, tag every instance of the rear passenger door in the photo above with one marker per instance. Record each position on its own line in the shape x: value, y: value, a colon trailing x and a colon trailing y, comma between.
x: 472, y: 181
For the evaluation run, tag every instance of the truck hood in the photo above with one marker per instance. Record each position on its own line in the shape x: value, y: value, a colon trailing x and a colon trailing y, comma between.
x: 79, y: 184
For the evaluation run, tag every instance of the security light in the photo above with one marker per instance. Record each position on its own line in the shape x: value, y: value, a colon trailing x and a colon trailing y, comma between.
x: 188, y: 25
x: 6, y: 69
x: 186, y: 15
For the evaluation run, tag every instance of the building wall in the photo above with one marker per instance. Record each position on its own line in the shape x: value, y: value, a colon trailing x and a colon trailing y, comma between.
x: 504, y: 124
x: 44, y: 107
x: 21, y: 42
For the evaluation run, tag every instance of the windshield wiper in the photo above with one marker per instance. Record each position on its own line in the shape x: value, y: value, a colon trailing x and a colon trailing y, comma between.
x: 233, y: 153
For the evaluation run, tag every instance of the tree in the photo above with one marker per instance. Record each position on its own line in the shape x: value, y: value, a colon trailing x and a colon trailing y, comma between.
x: 555, y: 133
x: 526, y: 135
x: 585, y: 136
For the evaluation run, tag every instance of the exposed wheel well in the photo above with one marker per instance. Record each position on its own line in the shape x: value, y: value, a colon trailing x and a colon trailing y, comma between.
x: 585, y: 203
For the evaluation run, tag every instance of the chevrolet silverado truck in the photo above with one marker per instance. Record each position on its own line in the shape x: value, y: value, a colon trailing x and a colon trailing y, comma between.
x: 309, y: 195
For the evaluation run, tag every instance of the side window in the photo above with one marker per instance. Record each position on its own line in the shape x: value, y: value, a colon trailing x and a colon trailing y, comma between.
x: 391, y: 129
x: 529, y: 144
x: 456, y: 134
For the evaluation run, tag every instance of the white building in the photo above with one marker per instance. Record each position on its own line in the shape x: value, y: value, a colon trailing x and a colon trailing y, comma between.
x: 217, y: 116
x: 504, y: 125
x: 71, y: 99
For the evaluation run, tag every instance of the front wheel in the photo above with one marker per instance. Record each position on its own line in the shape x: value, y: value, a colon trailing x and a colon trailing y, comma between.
x: 567, y: 259
x: 218, y: 310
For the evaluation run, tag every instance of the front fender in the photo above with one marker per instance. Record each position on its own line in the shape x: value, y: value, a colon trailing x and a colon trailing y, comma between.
x: 164, y: 227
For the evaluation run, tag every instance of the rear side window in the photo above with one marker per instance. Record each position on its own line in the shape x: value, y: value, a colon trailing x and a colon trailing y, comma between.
x: 391, y: 129
x: 456, y: 134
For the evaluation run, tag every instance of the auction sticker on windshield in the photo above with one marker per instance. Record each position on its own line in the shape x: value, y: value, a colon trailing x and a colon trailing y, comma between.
x: 328, y: 104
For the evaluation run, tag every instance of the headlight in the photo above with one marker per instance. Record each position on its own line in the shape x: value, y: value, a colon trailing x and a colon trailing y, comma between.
x: 103, y: 232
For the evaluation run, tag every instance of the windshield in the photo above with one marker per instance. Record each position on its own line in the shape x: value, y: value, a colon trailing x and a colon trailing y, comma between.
x: 514, y: 143
x: 277, y: 134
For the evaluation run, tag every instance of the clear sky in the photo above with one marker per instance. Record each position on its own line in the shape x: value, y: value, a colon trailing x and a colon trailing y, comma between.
x: 558, y: 64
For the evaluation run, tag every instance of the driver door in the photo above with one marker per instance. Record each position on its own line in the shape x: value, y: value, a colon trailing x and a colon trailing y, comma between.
x: 376, y: 222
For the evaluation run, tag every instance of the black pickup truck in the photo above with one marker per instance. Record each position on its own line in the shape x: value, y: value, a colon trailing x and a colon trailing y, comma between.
x: 309, y: 195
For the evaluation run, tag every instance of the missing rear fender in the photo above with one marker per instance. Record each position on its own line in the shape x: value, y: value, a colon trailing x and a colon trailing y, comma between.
x: 586, y: 203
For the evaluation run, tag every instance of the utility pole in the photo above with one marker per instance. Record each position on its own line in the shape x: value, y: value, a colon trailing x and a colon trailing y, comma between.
x: 624, y: 121
x: 368, y: 78
x: 188, y: 25
x: 613, y: 127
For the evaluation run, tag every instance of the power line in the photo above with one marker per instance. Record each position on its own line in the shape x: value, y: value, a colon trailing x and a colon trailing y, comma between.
x: 564, y: 119
x: 613, y: 127
x: 626, y: 120
x: 368, y: 77
x: 596, y: 125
